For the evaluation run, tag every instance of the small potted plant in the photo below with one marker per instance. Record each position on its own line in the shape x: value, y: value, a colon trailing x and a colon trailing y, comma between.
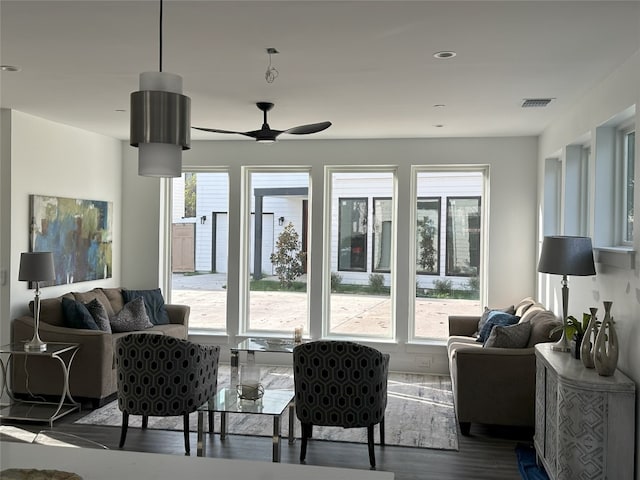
x: 575, y: 331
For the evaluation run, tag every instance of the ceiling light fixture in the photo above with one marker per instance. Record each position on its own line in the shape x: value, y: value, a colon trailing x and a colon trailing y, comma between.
x: 9, y: 68
x: 271, y: 74
x: 445, y: 55
x: 160, y: 121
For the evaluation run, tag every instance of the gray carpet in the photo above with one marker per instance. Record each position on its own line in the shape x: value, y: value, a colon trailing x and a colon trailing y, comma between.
x: 419, y: 413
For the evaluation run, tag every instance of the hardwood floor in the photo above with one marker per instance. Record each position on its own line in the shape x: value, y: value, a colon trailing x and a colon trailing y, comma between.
x: 487, y: 454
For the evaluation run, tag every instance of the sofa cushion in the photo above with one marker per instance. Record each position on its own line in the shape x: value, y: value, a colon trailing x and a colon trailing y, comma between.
x: 133, y: 316
x: 524, y: 305
x: 541, y: 325
x: 76, y: 315
x: 531, y: 312
x: 114, y: 295
x: 509, y: 336
x: 51, y: 310
x: 97, y: 294
x: 99, y: 314
x: 153, y: 301
x: 487, y: 311
x: 496, y: 318
x: 172, y: 329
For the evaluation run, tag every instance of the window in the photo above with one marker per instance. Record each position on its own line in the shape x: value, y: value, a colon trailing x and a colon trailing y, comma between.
x: 382, y: 233
x: 190, y: 183
x: 352, y: 231
x: 361, y: 238
x: 463, y: 236
x: 428, y: 236
x: 628, y: 161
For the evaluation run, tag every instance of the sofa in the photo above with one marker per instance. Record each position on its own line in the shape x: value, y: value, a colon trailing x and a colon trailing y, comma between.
x: 93, y: 372
x: 496, y: 384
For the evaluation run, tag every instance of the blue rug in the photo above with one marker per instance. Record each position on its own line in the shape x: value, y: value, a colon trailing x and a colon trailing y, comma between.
x: 529, y: 469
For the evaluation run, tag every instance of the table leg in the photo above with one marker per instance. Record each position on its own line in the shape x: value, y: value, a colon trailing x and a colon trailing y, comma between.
x: 202, y: 438
x: 292, y: 410
x: 276, y: 438
x: 66, y: 394
x: 235, y: 363
x: 223, y: 425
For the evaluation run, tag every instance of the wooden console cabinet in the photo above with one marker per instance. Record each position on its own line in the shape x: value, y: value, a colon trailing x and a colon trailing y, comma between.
x: 585, y: 423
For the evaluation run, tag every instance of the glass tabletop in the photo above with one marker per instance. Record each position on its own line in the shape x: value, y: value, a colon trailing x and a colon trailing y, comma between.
x: 273, y: 402
x: 53, y: 348
x: 266, y: 345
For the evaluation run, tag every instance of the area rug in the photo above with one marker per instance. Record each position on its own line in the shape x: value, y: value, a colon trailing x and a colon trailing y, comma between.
x: 419, y: 413
x: 527, y: 465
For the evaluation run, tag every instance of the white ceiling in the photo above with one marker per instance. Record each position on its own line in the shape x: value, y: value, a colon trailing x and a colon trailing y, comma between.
x: 367, y: 66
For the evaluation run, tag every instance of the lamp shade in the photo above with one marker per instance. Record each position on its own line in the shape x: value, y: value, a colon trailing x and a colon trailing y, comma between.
x: 36, y: 267
x: 567, y: 255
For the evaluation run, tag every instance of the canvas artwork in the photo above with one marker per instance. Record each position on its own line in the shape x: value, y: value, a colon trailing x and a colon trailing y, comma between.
x: 78, y: 232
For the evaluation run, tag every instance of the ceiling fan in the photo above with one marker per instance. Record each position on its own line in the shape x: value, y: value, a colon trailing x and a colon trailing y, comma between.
x: 266, y: 133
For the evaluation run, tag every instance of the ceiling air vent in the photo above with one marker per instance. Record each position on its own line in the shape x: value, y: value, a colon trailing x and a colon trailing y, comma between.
x: 536, y: 102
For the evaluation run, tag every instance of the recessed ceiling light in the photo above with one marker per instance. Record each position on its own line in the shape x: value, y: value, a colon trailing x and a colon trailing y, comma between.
x: 445, y: 54
x: 438, y: 125
x: 10, y: 68
x: 120, y: 110
x: 439, y: 105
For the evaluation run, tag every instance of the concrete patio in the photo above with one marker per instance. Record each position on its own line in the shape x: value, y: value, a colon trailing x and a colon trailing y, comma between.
x: 350, y: 314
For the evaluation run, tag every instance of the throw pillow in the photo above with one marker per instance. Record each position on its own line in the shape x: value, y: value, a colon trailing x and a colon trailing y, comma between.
x: 132, y: 317
x: 153, y: 301
x: 510, y: 336
x: 99, y: 314
x: 496, y: 318
x: 76, y: 315
x: 487, y: 311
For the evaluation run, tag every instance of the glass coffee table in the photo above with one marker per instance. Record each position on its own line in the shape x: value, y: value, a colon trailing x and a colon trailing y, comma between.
x: 253, y: 345
x: 273, y: 403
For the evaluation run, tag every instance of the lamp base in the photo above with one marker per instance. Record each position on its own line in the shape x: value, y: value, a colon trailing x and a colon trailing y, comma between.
x: 35, y: 345
x: 557, y: 347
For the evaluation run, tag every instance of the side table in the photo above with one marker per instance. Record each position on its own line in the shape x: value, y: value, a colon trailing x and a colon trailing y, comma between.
x: 34, y: 410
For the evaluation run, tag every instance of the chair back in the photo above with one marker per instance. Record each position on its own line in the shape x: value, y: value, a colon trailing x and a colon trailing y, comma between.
x: 340, y: 383
x: 160, y: 375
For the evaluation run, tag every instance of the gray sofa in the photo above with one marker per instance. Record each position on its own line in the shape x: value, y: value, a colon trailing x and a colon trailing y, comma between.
x: 93, y: 372
x: 494, y: 385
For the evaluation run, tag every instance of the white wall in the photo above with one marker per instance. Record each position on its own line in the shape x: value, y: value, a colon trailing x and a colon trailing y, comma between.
x: 512, y: 215
x: 621, y: 285
x: 47, y: 158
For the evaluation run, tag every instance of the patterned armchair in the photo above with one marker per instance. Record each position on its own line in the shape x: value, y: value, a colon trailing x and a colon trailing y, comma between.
x: 163, y: 376
x: 340, y: 383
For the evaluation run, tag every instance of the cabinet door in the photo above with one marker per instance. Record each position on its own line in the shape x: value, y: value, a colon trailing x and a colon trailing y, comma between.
x: 551, y: 418
x: 539, y: 435
x: 582, y: 434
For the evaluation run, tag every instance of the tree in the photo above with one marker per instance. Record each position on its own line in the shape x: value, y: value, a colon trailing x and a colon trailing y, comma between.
x: 427, y: 257
x: 288, y: 258
x: 190, y: 194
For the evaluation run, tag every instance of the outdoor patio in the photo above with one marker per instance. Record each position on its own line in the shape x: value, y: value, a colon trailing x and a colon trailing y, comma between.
x: 355, y: 314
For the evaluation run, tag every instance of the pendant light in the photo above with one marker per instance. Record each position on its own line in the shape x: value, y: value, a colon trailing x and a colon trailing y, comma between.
x: 160, y: 121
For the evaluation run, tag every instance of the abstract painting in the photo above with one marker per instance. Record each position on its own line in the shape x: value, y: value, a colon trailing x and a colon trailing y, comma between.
x: 77, y: 232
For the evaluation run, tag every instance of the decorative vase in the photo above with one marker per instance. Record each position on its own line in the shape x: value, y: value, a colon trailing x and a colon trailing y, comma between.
x: 586, y: 350
x: 605, y: 354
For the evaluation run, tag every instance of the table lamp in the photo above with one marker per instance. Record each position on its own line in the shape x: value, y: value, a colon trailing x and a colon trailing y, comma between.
x: 36, y: 267
x: 566, y: 255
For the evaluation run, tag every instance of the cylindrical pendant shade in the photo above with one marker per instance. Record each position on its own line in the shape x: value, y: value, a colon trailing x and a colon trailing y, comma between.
x: 36, y: 267
x: 160, y: 124
x: 566, y: 255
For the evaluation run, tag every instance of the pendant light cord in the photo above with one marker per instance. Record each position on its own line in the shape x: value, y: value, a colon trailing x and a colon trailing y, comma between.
x: 160, y: 43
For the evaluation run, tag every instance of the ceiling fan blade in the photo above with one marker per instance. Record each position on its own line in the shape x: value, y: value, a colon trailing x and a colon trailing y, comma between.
x: 217, y: 130
x: 311, y: 128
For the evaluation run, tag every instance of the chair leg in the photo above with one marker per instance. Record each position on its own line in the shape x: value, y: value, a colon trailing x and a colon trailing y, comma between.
x: 187, y: 447
x: 145, y: 421
x: 372, y: 456
x: 211, y: 427
x: 306, y: 433
x: 382, y: 440
x: 123, y: 430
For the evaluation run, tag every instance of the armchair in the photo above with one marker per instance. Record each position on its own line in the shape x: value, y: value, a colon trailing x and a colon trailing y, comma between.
x: 163, y: 376
x: 340, y: 383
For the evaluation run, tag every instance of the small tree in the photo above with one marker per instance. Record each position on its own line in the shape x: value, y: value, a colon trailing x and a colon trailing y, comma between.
x: 427, y: 252
x: 288, y: 258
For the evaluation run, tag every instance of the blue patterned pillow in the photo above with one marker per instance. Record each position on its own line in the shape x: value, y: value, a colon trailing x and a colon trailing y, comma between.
x: 153, y: 302
x: 76, y: 315
x: 496, y: 318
